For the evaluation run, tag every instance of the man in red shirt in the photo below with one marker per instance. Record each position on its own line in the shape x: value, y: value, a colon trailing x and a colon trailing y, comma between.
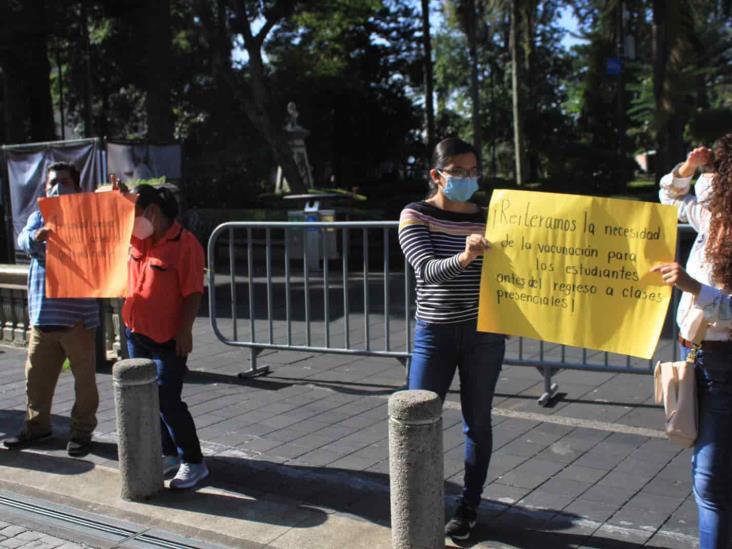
x: 164, y: 289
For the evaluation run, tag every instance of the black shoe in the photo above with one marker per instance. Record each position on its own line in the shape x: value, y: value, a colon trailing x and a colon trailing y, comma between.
x: 24, y: 439
x: 79, y: 446
x: 462, y: 522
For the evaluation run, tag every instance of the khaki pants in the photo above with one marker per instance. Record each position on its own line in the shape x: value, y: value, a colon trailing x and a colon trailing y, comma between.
x: 47, y: 352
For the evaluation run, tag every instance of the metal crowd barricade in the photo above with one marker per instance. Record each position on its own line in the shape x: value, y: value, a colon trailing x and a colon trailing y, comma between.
x: 282, y: 315
x: 285, y: 307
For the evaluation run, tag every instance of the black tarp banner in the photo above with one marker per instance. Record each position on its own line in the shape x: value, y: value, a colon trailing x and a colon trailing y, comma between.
x: 27, y: 166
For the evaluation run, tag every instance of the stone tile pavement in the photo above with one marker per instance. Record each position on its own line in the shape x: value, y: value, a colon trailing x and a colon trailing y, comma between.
x: 591, y: 471
x: 15, y: 536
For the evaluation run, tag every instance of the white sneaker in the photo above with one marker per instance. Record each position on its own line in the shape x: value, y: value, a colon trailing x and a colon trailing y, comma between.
x: 188, y: 475
x: 170, y: 464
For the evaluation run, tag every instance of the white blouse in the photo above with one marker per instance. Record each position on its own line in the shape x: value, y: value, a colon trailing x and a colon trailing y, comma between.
x: 714, y: 304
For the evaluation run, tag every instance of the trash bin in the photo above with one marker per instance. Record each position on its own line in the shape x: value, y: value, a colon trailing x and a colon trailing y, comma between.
x: 320, y: 244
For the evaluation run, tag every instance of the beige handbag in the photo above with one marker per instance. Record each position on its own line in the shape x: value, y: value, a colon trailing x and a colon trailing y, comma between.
x: 675, y: 386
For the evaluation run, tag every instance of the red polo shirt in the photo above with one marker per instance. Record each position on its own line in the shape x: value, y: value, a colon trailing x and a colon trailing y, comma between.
x: 160, y: 275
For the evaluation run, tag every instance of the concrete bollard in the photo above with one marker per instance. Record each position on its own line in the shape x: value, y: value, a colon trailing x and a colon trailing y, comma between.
x: 416, y: 470
x: 138, y: 428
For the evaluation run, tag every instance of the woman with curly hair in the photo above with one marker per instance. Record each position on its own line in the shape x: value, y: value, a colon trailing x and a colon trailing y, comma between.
x: 707, y: 285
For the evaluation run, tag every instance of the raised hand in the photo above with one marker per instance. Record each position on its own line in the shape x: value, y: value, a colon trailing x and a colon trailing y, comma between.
x: 475, y: 245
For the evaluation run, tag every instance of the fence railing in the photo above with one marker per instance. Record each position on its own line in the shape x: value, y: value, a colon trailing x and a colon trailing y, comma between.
x: 344, y: 288
x: 308, y: 300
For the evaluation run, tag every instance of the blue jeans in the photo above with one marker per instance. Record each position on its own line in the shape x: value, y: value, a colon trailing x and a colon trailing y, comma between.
x: 711, y: 464
x: 438, y: 350
x: 177, y: 430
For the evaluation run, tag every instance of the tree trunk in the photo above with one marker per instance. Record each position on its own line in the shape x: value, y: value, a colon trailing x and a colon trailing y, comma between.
x: 159, y: 60
x: 620, y: 98
x: 526, y: 83
x: 218, y: 36
x: 428, y: 79
x: 471, y: 24
x: 87, y: 85
x: 258, y: 107
x: 668, y: 63
x: 517, y: 103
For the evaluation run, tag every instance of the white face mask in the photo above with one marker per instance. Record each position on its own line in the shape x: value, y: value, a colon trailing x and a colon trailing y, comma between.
x: 143, y: 228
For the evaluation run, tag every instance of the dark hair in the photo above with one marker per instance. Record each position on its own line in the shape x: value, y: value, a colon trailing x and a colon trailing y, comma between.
x: 447, y: 149
x: 67, y: 167
x: 162, y: 196
x: 444, y: 151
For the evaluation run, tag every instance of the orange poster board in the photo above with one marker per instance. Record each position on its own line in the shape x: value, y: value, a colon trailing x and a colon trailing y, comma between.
x: 88, y: 243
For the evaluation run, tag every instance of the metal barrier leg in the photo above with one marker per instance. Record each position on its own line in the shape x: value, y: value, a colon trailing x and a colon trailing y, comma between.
x: 550, y: 389
x: 406, y: 362
x: 254, y: 370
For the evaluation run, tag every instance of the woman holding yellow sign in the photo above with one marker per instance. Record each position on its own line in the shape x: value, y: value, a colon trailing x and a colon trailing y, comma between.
x: 442, y: 238
x: 706, y: 300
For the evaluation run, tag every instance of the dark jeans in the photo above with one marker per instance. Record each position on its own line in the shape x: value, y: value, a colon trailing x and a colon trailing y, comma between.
x: 176, y: 424
x: 438, y: 350
x: 711, y: 464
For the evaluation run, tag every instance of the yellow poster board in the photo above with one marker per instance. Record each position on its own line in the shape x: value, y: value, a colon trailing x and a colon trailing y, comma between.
x: 575, y: 270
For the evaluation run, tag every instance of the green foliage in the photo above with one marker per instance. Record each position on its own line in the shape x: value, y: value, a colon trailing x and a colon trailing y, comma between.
x: 354, y: 69
x: 348, y: 65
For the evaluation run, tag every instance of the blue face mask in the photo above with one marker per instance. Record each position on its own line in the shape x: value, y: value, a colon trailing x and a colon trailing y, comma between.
x: 460, y: 188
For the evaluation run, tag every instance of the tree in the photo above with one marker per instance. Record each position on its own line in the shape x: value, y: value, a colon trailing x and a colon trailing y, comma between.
x: 159, y: 60
x: 257, y: 102
x: 470, y: 20
x: 25, y: 67
x: 517, y: 91
x: 691, y: 71
x: 357, y: 74
x: 520, y: 15
x: 544, y: 120
x: 428, y: 78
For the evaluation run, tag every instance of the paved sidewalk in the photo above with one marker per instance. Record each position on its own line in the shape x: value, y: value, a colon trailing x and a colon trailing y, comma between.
x: 16, y: 536
x: 35, y: 523
x: 299, y: 458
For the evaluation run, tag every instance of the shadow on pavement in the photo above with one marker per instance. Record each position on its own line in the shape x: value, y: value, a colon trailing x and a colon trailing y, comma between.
x: 246, y: 507
x: 302, y: 496
x: 273, y: 382
x: 56, y: 465
x: 299, y: 496
x: 366, y: 495
x: 199, y: 377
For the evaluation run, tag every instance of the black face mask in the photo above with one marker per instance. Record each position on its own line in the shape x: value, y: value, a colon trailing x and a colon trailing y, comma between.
x: 59, y: 188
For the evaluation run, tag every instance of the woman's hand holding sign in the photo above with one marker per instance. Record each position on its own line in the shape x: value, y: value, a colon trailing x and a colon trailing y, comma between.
x: 475, y: 245
x: 674, y: 274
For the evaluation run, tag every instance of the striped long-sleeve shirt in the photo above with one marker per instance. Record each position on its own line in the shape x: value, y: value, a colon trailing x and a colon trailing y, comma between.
x: 432, y: 239
x: 44, y: 311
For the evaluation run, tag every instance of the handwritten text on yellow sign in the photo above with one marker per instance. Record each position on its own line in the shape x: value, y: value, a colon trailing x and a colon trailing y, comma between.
x: 575, y: 270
